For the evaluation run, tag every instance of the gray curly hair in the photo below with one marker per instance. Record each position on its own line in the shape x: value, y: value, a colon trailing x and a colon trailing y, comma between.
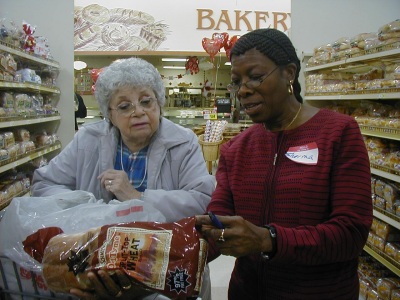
x: 132, y: 72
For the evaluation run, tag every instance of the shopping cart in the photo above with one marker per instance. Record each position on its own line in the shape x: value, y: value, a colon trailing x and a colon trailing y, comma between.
x: 19, y: 283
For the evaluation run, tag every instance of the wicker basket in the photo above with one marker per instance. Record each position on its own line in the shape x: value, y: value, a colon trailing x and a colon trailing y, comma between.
x: 210, y: 149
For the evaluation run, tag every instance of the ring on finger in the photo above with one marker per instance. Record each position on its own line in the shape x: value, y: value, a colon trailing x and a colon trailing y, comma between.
x: 119, y: 294
x: 127, y: 287
x: 110, y: 182
x: 221, y: 238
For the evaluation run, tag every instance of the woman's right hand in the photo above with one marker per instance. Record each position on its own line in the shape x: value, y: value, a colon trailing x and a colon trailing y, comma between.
x: 117, y: 182
x: 238, y: 238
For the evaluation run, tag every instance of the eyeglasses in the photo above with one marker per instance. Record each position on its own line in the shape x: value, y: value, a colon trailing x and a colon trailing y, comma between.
x: 251, y: 84
x: 127, y: 108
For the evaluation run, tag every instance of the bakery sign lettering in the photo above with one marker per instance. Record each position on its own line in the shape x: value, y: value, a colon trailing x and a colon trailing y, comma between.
x: 102, y: 28
x: 210, y: 19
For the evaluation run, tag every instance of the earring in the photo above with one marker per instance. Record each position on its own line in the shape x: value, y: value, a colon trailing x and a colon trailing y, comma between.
x: 290, y: 87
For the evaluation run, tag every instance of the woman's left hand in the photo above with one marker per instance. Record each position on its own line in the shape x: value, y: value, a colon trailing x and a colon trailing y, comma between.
x: 111, y: 285
x: 238, y: 238
x: 117, y: 182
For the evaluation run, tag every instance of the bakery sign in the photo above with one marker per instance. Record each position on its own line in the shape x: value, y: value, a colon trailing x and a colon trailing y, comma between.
x: 142, y: 25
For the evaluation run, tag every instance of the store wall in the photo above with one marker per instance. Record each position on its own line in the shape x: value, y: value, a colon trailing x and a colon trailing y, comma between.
x: 320, y: 22
x: 54, y: 20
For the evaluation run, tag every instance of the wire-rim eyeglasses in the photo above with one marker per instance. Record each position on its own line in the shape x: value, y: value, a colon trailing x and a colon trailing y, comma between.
x: 251, y: 84
x: 127, y: 108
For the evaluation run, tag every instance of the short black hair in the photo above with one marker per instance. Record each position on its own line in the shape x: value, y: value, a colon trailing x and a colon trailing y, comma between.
x: 274, y: 44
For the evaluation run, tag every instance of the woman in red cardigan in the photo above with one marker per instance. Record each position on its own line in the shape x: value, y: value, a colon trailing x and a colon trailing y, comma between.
x: 294, y: 190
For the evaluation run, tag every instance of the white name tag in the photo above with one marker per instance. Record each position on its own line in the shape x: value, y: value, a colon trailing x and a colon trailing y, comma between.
x: 305, y: 154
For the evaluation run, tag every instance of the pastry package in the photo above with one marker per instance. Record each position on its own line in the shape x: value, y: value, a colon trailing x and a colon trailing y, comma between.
x: 168, y: 258
x: 386, y: 285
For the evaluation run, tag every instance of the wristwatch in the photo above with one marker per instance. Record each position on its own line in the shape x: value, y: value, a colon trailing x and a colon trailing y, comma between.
x: 272, y: 232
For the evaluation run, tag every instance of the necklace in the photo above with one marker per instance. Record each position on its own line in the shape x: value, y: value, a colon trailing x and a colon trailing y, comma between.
x: 291, y: 122
x: 145, y: 168
x: 295, y: 117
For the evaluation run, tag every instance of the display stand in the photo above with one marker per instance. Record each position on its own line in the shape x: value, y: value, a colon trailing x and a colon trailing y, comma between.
x: 210, y: 151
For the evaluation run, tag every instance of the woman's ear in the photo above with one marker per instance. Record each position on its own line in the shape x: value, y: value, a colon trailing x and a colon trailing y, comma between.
x: 291, y: 70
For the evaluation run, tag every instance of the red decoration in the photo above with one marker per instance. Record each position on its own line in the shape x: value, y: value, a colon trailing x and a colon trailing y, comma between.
x: 211, y: 46
x: 222, y: 37
x: 229, y: 45
x: 94, y: 74
x: 29, y: 43
x: 192, y: 65
x: 207, y: 88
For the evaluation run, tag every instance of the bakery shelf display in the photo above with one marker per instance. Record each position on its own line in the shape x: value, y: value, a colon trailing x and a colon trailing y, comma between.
x: 11, y: 163
x: 28, y: 118
x: 364, y: 81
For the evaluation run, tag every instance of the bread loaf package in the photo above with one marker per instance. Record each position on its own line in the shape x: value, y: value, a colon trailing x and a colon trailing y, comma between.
x: 168, y: 258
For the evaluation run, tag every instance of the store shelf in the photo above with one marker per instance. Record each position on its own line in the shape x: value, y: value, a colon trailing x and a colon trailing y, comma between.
x: 6, y: 202
x: 362, y: 63
x: 385, y: 173
x: 377, y: 54
x: 384, y: 259
x: 28, y: 56
x: 370, y: 95
x: 29, y: 87
x: 8, y: 165
x: 387, y: 217
x: 27, y: 121
x: 386, y: 133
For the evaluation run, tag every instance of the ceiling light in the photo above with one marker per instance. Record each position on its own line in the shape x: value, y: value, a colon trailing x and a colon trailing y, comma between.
x: 174, y: 59
x: 174, y: 67
x: 79, y: 65
x: 228, y: 63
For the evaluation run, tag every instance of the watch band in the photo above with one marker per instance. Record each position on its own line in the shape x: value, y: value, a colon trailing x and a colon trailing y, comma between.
x: 271, y: 254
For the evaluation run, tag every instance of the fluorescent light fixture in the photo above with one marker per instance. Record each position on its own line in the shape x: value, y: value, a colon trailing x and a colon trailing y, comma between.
x: 79, y: 65
x: 174, y: 59
x: 174, y: 67
x: 228, y: 63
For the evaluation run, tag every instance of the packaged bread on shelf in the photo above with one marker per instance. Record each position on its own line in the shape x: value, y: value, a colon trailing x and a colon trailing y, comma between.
x: 373, y: 294
x: 395, y: 295
x: 392, y: 249
x: 385, y: 286
x: 393, y: 26
x: 387, y: 232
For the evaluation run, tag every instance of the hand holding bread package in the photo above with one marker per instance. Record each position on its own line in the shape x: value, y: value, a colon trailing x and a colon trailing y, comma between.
x: 64, y: 245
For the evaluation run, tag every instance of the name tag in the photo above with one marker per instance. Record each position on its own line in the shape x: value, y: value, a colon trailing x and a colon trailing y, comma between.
x: 305, y: 154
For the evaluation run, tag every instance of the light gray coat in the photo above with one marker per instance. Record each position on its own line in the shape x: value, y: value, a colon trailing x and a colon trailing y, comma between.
x: 178, y: 183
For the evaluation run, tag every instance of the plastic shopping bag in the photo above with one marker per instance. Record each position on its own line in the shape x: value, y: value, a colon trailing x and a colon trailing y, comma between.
x: 72, y: 212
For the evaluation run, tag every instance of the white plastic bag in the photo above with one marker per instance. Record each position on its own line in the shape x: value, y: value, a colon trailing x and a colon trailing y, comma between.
x: 74, y: 211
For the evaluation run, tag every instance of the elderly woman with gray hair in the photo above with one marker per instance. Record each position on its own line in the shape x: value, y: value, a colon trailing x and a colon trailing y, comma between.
x: 134, y: 153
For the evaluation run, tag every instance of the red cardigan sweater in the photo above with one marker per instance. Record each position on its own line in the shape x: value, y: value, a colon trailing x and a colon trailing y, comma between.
x: 322, y: 213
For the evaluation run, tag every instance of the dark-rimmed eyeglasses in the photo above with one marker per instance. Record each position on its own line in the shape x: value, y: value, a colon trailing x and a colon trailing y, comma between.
x: 251, y: 84
x: 127, y: 108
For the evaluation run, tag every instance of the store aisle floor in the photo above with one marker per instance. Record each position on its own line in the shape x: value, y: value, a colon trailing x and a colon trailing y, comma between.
x: 221, y: 269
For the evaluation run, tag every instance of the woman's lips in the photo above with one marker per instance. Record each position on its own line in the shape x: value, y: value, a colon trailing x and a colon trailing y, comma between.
x: 137, y: 125
x: 252, y: 108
